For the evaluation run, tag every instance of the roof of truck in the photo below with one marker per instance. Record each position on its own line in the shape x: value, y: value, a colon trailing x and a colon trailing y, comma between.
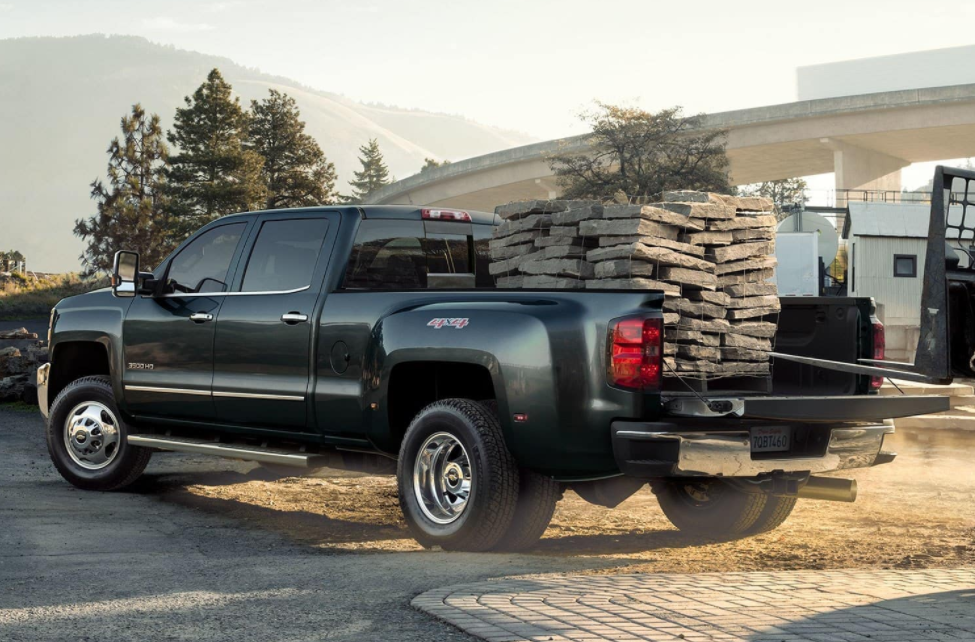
x: 401, y: 212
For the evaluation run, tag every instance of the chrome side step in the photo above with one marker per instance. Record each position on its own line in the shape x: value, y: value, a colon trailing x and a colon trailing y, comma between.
x: 233, y: 451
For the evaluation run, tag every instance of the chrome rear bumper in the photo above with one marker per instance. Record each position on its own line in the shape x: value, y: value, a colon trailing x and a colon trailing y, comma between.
x: 657, y: 449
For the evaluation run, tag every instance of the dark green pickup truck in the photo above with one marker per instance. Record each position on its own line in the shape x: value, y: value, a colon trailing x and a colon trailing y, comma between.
x: 372, y: 338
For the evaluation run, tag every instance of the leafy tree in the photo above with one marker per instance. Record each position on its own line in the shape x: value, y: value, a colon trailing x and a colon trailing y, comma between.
x: 783, y: 192
x: 132, y: 207
x: 641, y: 154
x: 374, y: 172
x: 295, y: 172
x: 430, y: 163
x: 213, y: 174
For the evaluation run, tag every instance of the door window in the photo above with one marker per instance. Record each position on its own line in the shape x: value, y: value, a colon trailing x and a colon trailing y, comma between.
x: 202, y: 265
x: 285, y: 255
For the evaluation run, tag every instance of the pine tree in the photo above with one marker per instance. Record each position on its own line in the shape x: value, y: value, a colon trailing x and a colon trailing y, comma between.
x: 132, y: 207
x: 374, y: 172
x: 296, y: 172
x: 213, y: 174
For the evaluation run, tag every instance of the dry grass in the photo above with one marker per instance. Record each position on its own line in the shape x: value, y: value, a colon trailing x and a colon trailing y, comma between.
x: 27, y: 297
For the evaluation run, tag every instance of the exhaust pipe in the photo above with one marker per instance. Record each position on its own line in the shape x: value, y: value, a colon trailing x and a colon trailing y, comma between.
x: 829, y: 489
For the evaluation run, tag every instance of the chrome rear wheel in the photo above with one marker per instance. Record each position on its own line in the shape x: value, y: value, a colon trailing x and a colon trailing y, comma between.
x: 442, y: 478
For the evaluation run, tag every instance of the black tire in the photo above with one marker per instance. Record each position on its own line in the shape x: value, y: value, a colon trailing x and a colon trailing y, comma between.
x: 777, y: 510
x: 493, y: 476
x: 128, y: 462
x: 709, y: 507
x: 537, y: 497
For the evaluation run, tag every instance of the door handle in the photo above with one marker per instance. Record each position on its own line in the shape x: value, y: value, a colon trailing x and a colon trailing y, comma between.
x: 293, y: 318
x: 201, y: 317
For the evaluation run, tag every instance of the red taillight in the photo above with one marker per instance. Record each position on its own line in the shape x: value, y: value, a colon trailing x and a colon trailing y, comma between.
x: 879, y: 346
x: 635, y: 353
x: 446, y: 215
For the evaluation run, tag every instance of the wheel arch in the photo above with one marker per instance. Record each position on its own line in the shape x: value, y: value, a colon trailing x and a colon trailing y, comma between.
x: 415, y: 383
x: 72, y: 360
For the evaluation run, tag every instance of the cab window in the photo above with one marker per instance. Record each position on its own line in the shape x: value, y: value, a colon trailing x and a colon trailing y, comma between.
x: 202, y: 265
x: 399, y: 255
x: 284, y: 255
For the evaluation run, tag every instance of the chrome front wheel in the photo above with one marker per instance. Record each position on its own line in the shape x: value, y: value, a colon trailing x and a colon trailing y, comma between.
x: 442, y: 478
x: 91, y: 435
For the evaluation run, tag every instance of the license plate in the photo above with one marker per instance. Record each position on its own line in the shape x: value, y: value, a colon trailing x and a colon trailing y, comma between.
x: 770, y: 439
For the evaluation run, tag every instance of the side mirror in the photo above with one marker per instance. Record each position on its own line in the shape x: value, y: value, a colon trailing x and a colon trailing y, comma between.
x: 125, y: 274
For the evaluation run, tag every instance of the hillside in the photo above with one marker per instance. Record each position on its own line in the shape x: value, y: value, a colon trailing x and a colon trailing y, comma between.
x: 62, y: 99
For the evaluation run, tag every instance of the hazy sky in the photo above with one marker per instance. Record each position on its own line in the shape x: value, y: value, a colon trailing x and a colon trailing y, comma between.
x: 529, y: 65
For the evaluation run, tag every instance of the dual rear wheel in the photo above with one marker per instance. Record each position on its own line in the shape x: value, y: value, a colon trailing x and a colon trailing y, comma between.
x: 711, y: 507
x: 460, y: 488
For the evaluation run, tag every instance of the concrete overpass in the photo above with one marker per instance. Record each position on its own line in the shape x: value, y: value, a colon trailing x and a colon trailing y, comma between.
x: 864, y: 139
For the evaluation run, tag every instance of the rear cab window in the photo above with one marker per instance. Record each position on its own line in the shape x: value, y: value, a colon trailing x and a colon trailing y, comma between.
x: 402, y: 254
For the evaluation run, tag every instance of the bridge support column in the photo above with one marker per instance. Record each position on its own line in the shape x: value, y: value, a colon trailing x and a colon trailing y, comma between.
x: 859, y: 168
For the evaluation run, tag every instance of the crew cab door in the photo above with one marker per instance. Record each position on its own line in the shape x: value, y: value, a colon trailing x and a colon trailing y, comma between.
x: 168, y: 339
x: 263, y: 345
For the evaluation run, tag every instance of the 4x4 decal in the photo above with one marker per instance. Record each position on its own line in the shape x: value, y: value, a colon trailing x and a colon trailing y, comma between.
x: 452, y: 322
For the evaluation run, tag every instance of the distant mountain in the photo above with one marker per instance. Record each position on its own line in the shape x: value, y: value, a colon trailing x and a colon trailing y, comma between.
x: 61, y: 100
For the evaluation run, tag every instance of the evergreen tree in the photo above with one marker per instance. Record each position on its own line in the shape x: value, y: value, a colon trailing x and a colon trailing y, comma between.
x: 431, y: 163
x: 296, y: 172
x: 132, y: 207
x: 374, y: 172
x: 212, y: 174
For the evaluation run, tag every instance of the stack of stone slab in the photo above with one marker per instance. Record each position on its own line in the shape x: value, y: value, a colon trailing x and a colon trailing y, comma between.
x: 710, y: 254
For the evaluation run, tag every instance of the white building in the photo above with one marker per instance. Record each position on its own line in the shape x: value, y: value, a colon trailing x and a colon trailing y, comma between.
x: 907, y: 71
x: 886, y: 245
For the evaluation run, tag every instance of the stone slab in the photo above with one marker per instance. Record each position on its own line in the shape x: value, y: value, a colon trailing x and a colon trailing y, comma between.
x: 654, y: 254
x: 748, y: 276
x: 692, y: 336
x: 574, y: 215
x: 651, y: 213
x: 625, y: 227
x: 558, y: 267
x: 515, y: 239
x: 752, y: 313
x: 745, y: 265
x: 742, y: 223
x: 530, y: 222
x: 745, y: 341
x: 764, y: 301
x: 709, y: 211
x: 547, y: 282
x: 717, y: 298
x: 688, y: 277
x: 751, y: 289
x: 551, y: 241
x: 762, y: 329
x: 522, y: 209
x: 623, y: 268
x: 632, y: 284
x: 741, y: 251
x: 708, y: 238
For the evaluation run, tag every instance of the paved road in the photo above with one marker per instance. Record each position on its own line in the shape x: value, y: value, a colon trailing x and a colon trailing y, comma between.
x: 815, y: 606
x: 113, y: 566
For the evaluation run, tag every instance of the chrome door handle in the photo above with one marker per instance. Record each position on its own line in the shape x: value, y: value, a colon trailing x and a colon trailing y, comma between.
x: 201, y: 317
x: 291, y: 318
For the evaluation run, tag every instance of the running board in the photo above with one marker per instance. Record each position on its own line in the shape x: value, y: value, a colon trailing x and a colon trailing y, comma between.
x: 278, y: 456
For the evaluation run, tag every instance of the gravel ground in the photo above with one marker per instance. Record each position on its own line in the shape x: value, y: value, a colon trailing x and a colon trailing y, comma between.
x: 208, y: 549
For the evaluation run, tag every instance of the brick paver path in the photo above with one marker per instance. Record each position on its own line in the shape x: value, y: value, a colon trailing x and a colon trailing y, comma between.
x: 820, y: 606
